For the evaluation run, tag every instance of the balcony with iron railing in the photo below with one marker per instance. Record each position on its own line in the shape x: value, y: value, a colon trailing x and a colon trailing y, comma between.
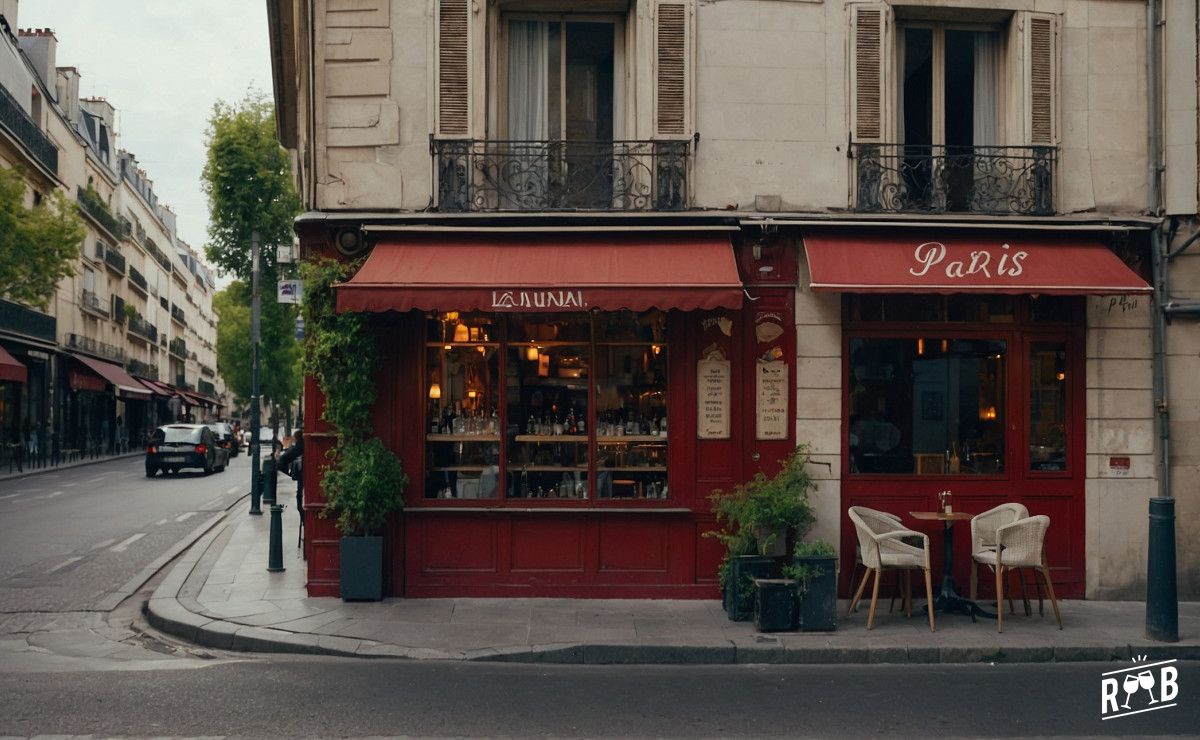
x: 138, y: 280
x: 114, y: 260
x: 118, y: 309
x: 488, y: 175
x: 207, y: 371
x: 17, y: 319
x: 96, y: 209
x: 142, y: 369
x: 91, y: 303
x: 206, y: 387
x: 178, y: 348
x: 97, y: 348
x: 178, y: 316
x: 988, y: 180
x: 182, y: 384
x: 139, y: 328
x: 25, y: 130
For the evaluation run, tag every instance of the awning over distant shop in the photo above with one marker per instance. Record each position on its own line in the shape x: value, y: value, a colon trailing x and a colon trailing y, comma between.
x: 194, y: 399
x: 162, y: 390
x: 1015, y: 263
x: 11, y: 368
x: 546, y: 272
x: 126, y: 386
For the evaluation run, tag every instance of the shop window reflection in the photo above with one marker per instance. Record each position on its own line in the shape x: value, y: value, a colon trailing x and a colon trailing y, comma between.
x: 927, y: 406
x: 1048, y: 406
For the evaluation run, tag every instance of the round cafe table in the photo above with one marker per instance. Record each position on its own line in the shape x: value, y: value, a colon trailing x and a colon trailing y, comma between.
x: 947, y: 600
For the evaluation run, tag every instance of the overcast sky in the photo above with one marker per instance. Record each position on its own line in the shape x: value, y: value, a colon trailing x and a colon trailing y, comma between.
x: 162, y: 64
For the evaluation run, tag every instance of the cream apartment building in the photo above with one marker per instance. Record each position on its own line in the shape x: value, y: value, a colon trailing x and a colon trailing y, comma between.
x: 871, y: 170
x: 127, y: 342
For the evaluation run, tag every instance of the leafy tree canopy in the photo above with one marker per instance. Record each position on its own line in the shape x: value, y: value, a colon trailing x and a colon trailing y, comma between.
x: 38, y: 245
x: 280, y: 380
x: 247, y: 178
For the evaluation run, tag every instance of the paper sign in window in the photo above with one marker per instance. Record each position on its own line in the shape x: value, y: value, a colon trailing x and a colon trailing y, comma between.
x: 712, y: 407
x: 771, y: 400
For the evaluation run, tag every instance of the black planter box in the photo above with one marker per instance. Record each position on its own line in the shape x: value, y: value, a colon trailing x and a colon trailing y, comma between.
x: 818, y: 597
x: 739, y: 589
x: 775, y: 604
x: 362, y: 568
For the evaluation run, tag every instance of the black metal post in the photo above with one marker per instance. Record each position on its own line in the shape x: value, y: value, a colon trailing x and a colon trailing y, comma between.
x: 255, y: 492
x: 275, y: 554
x: 269, y: 481
x: 1162, y: 602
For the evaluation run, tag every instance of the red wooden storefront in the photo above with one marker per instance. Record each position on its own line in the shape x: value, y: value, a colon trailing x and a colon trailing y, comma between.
x: 484, y: 515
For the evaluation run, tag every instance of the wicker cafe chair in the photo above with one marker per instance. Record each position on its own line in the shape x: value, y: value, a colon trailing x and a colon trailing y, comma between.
x: 880, y: 538
x: 983, y: 540
x: 858, y: 561
x: 1021, y: 544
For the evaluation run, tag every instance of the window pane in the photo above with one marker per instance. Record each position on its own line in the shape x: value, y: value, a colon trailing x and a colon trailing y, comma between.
x: 927, y: 405
x: 631, y: 415
x: 918, y: 86
x: 1048, y: 406
x: 547, y: 402
x: 462, y: 444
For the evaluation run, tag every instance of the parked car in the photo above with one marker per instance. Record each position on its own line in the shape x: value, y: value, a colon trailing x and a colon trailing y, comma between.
x: 265, y: 437
x: 225, y: 438
x: 177, y: 446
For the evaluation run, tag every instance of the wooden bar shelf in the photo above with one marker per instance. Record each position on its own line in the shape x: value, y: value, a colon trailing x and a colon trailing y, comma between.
x: 571, y: 438
x: 462, y: 437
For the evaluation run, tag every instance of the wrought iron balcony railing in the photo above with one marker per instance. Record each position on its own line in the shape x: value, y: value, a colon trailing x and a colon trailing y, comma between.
x: 90, y: 203
x: 138, y: 280
x: 177, y: 315
x: 207, y: 371
x: 25, y: 130
x: 114, y: 260
x: 995, y: 180
x: 139, y: 327
x: 485, y: 175
x: 206, y: 387
x: 94, y: 347
x: 17, y: 319
x: 143, y: 369
x: 118, y: 309
x: 89, y: 301
x: 178, y: 348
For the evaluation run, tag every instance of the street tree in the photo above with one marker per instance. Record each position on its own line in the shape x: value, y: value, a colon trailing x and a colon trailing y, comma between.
x: 280, y: 379
x: 38, y: 244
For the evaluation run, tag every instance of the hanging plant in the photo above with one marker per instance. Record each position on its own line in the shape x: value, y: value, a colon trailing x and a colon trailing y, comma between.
x: 364, y: 481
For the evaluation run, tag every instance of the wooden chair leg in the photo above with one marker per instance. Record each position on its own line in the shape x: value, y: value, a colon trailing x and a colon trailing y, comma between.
x: 1024, y: 594
x: 929, y: 599
x: 1045, y: 571
x: 858, y: 594
x: 854, y: 586
x: 974, y: 580
x: 999, y: 597
x: 908, y: 593
x: 874, y: 598
x: 1037, y: 584
x: 1011, y: 609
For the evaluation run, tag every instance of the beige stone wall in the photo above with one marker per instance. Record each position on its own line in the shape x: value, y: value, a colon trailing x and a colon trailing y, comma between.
x: 1183, y: 397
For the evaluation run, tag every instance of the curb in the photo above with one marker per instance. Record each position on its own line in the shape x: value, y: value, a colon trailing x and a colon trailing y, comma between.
x: 68, y: 466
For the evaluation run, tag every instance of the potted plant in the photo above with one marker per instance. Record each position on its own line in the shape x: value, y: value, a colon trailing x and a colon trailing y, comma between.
x: 364, y: 481
x: 814, y: 569
x: 755, y: 521
x: 775, y: 604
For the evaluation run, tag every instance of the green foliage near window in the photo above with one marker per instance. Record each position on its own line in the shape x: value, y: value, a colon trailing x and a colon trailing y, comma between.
x: 280, y: 378
x: 38, y: 245
x: 779, y: 502
x: 805, y: 573
x: 131, y: 311
x: 364, y: 481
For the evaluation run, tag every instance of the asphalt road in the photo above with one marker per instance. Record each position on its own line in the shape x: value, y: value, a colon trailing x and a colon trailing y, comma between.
x: 71, y: 537
x: 294, y: 697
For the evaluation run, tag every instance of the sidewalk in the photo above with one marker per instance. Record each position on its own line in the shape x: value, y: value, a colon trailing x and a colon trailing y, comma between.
x: 220, y: 595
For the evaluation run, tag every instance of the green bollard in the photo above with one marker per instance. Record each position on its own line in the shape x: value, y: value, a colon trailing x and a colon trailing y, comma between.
x: 275, y: 552
x: 269, y: 481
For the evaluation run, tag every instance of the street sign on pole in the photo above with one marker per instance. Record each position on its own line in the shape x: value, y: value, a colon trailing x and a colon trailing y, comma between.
x: 290, y: 291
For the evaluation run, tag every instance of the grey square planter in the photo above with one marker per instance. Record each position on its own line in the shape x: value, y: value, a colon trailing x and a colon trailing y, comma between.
x: 362, y: 568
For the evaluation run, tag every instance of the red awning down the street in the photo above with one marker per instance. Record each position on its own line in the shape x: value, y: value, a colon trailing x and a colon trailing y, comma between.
x: 159, y: 389
x: 124, y: 383
x: 11, y: 368
x: 546, y: 272
x: 1007, y: 262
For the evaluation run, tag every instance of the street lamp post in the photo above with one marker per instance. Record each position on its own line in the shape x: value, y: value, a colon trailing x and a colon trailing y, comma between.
x: 255, y: 490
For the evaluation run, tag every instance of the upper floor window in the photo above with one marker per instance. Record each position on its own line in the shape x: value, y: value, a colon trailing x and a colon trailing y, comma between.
x: 934, y: 127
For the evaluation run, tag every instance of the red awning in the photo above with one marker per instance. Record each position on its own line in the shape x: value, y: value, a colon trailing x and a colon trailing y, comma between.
x: 550, y: 272
x: 11, y: 369
x: 159, y: 389
x: 967, y: 262
x: 192, y: 399
x: 125, y: 385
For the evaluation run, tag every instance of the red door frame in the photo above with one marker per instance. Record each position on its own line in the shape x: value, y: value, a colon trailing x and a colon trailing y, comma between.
x: 1058, y: 494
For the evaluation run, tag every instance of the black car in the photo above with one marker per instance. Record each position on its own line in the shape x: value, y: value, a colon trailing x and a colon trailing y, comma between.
x: 177, y: 446
x: 225, y: 437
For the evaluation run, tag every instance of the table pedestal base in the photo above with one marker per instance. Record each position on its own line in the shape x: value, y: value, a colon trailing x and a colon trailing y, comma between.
x: 949, y: 602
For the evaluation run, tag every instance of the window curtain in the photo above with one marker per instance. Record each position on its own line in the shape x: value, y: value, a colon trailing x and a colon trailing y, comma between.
x: 987, y: 89
x: 528, y: 49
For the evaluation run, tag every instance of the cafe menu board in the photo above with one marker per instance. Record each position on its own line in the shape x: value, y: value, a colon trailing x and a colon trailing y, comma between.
x: 713, y: 397
x: 771, y: 399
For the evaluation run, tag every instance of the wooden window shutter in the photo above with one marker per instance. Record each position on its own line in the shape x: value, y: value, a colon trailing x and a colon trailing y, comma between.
x: 453, y: 70
x: 868, y: 46
x: 672, y: 59
x: 1042, y: 76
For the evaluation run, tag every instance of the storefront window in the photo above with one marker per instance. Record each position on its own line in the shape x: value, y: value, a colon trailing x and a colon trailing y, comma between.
x: 581, y: 412
x: 927, y: 405
x: 1047, y: 406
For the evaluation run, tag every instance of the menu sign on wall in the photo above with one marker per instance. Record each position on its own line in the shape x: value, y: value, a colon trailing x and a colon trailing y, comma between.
x: 712, y: 399
x: 771, y: 399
